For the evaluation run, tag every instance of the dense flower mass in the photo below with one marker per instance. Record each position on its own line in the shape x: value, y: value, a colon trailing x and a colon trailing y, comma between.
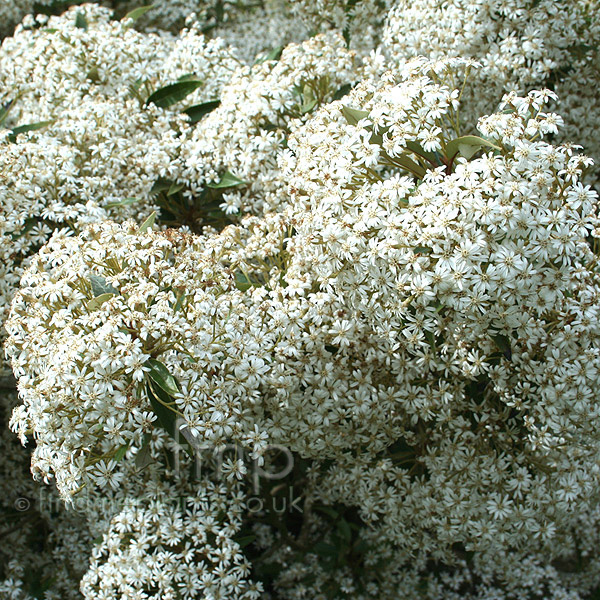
x: 300, y: 300
x: 123, y: 318
x: 521, y: 44
x: 166, y: 537
x: 259, y: 108
x: 82, y: 143
x: 474, y: 282
x: 56, y: 62
x: 100, y: 142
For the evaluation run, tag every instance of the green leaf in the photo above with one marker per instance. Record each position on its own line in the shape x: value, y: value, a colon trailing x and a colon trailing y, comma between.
x: 81, y: 21
x: 196, y: 112
x: 422, y: 250
x: 120, y: 453
x: 343, y: 91
x: 161, y: 375
x: 308, y: 100
x: 581, y: 50
x: 30, y: 223
x: 467, y: 146
x: 98, y: 301
x: 420, y: 151
x: 148, y: 223
x: 143, y: 458
x: 377, y: 138
x: 188, y: 77
x: 503, y: 342
x: 175, y: 187
x: 350, y: 14
x: 25, y: 128
x: 137, y: 13
x: 134, y: 90
x: 344, y: 531
x: 161, y: 404
x: 173, y: 93
x: 161, y: 185
x: 94, y: 75
x: 245, y: 540
x: 179, y: 302
x: 124, y: 202
x: 410, y: 165
x: 354, y: 115
x: 4, y: 110
x: 430, y: 337
x: 307, y: 106
x: 325, y: 550
x: 242, y: 282
x: 331, y: 512
x: 346, y: 35
x: 100, y: 286
x: 219, y: 11
x: 227, y: 180
x: 38, y: 584
x: 273, y: 54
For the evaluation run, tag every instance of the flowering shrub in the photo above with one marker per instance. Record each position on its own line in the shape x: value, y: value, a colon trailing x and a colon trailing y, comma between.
x: 315, y: 323
x: 131, y: 317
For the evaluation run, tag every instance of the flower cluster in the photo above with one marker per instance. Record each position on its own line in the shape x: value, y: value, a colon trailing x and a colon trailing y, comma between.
x: 259, y: 108
x: 57, y: 62
x: 165, y: 536
x: 468, y: 300
x: 188, y: 551
x: 115, y: 325
x: 81, y: 142
x: 521, y: 44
